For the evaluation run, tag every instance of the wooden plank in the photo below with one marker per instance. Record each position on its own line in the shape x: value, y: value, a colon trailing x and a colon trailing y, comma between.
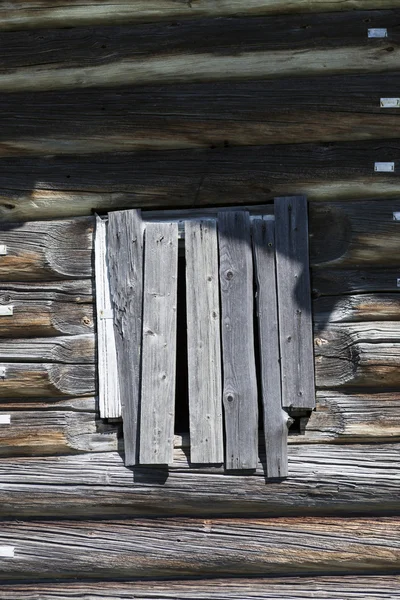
x: 274, y: 111
x: 250, y: 547
x: 159, y: 343
x: 204, y: 342
x: 76, y: 349
x: 33, y: 380
x: 47, y: 250
x: 365, y: 355
x: 28, y: 14
x: 331, y: 281
x: 340, y: 172
x: 52, y: 432
x: 275, y: 419
x: 99, y: 485
x: 294, y: 302
x: 125, y: 263
x: 209, y: 49
x: 237, y: 312
x: 357, y: 307
x: 109, y: 394
x: 295, y: 588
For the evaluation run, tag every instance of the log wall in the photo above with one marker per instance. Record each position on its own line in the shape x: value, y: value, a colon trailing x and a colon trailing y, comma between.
x: 164, y: 104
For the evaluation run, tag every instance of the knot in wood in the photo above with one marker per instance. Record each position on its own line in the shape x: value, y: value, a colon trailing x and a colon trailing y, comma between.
x: 229, y: 275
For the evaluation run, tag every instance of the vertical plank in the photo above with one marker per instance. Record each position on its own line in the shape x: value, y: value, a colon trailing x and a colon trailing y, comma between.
x: 294, y: 302
x: 109, y: 398
x: 159, y: 343
x: 275, y: 418
x: 125, y: 259
x: 203, y: 342
x: 240, y: 384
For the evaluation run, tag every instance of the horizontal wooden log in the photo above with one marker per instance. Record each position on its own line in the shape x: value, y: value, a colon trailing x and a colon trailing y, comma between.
x: 51, y: 432
x: 323, y: 479
x: 31, y: 14
x: 38, y: 188
x: 358, y: 307
x: 200, y: 547
x: 358, y: 355
x: 61, y: 349
x: 296, y: 588
x: 331, y: 281
x: 200, y: 50
x: 277, y: 111
x: 66, y: 427
x: 52, y: 250
x: 33, y: 380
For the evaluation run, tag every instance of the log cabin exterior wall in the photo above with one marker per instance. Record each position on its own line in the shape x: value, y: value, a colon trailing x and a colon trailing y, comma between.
x: 193, y: 104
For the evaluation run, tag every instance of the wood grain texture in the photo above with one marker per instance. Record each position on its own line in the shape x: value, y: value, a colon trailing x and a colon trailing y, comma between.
x: 198, y: 50
x: 383, y: 587
x: 33, y: 380
x: 38, y: 188
x: 275, y: 419
x: 204, y: 342
x: 237, y: 332
x: 157, y: 408
x: 219, y: 113
x: 31, y: 14
x: 47, y: 250
x: 55, y: 432
x: 62, y: 309
x: 227, y: 546
x: 125, y: 264
x: 109, y: 388
x: 331, y: 281
x: 357, y: 307
x: 77, y: 349
x: 294, y: 302
x: 358, y: 355
x: 324, y: 479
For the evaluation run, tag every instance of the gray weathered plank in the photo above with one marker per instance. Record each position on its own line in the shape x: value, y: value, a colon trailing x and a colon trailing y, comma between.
x: 44, y: 380
x: 75, y: 349
x: 204, y: 342
x: 240, y: 384
x: 159, y: 343
x: 109, y: 394
x: 275, y: 418
x: 294, y: 302
x: 125, y: 262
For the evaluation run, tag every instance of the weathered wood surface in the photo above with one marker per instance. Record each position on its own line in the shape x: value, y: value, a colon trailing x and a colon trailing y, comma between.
x: 52, y: 432
x: 157, y: 401
x: 327, y: 281
x: 277, y: 111
x: 107, y: 368
x: 323, y: 479
x: 358, y: 355
x: 204, y: 342
x: 125, y: 264
x: 199, y: 50
x: 76, y: 349
x: 37, y: 188
x: 274, y: 418
x: 372, y: 587
x: 46, y: 426
x: 46, y: 250
x: 358, y: 307
x: 32, y: 380
x: 294, y: 302
x: 31, y: 14
x: 41, y: 317
x: 195, y: 547
x: 237, y: 333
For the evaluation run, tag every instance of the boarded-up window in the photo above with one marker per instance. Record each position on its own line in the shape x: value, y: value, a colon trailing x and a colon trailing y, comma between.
x: 249, y: 329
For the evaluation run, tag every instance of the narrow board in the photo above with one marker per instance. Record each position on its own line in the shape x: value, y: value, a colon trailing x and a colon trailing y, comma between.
x: 204, y: 342
x: 125, y: 261
x: 159, y: 343
x: 275, y: 418
x: 109, y: 397
x: 294, y: 302
x: 240, y: 384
